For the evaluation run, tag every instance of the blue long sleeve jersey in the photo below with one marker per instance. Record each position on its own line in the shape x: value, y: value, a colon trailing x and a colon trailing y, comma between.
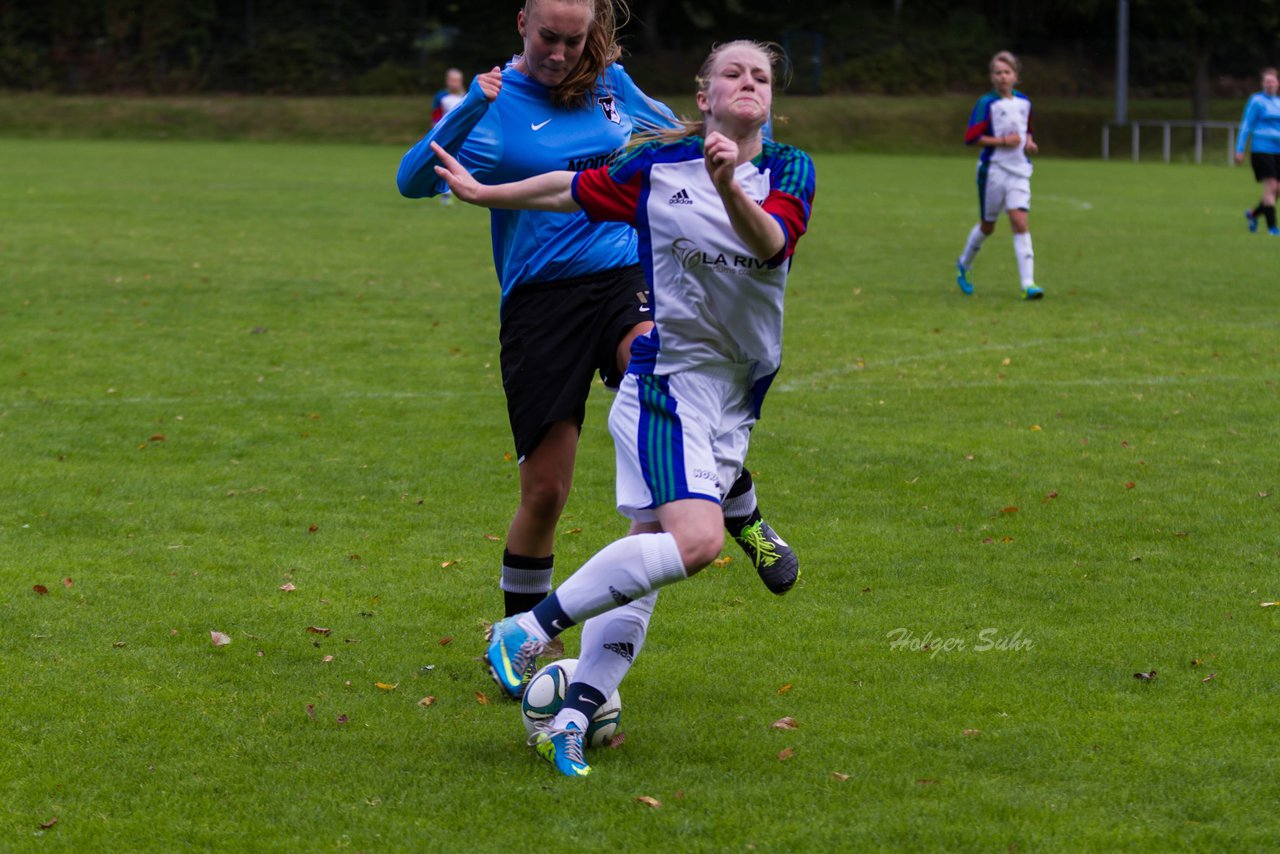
x: 520, y: 134
x: 1262, y: 123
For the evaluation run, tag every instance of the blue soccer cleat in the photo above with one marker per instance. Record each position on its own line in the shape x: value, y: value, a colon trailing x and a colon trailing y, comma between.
x: 1032, y: 292
x: 563, y: 749
x: 511, y: 655
x: 962, y: 279
x: 1253, y: 220
x: 1274, y: 232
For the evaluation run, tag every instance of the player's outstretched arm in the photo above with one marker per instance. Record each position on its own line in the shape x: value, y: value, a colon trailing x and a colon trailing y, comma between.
x: 760, y: 231
x: 550, y: 191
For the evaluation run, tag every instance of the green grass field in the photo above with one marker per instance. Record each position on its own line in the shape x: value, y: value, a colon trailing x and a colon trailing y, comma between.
x: 229, y: 367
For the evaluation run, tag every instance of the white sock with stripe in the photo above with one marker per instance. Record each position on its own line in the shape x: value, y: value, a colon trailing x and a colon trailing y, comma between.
x: 1026, y: 258
x: 621, y: 572
x: 972, y: 246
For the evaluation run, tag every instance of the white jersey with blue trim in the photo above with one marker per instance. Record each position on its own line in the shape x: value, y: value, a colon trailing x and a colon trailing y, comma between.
x: 715, y: 305
x: 521, y: 134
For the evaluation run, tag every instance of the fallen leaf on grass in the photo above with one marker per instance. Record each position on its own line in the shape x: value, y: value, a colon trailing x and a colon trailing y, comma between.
x: 448, y: 563
x: 616, y: 740
x: 122, y: 645
x: 386, y: 686
x: 67, y: 582
x: 836, y: 775
x: 1051, y: 495
x: 312, y: 529
x: 972, y: 732
x: 1145, y: 677
x: 1269, y: 604
x: 1009, y: 509
x: 219, y: 639
x: 327, y: 659
x: 1129, y: 484
x: 784, y: 723
x: 427, y: 701
x: 40, y: 589
x: 648, y: 801
x: 722, y: 562
x: 574, y: 531
x: 1035, y: 428
x: 288, y: 587
x: 158, y: 437
x: 1210, y: 676
x: 493, y: 538
x: 311, y: 711
x: 319, y: 630
x: 48, y: 824
x: 342, y: 719
x: 786, y: 753
x: 445, y: 641
x: 482, y: 698
x: 784, y: 689
x: 926, y: 781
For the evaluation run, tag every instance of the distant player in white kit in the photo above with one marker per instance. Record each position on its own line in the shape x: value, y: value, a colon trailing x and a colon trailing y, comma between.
x: 718, y: 210
x: 1001, y: 124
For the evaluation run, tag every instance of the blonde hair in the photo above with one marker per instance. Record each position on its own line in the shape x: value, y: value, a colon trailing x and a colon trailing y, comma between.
x: 690, y: 127
x: 599, y: 50
x: 1008, y: 59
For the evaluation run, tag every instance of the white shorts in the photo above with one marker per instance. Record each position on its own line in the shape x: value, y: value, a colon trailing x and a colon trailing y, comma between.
x: 679, y: 436
x: 1000, y: 190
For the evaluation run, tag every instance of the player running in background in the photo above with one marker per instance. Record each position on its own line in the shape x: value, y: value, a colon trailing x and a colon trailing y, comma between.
x: 719, y: 211
x: 1261, y: 125
x: 444, y: 103
x: 1001, y: 124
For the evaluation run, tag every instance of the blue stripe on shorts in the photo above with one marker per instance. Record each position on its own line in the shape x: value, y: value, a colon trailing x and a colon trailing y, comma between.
x: 661, y: 441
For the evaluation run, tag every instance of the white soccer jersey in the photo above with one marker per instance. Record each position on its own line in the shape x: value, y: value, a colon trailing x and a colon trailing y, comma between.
x: 714, y: 303
x: 997, y: 116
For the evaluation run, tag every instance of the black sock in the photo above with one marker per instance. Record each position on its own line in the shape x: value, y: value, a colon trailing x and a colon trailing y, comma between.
x: 1257, y: 211
x: 1270, y: 212
x: 518, y: 603
x: 741, y: 486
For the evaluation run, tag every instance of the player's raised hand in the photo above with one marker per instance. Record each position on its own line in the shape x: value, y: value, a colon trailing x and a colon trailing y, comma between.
x: 721, y: 156
x: 460, y: 181
x: 490, y: 82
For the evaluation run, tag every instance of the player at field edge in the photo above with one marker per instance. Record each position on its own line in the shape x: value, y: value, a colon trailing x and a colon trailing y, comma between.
x: 1260, y: 132
x: 1001, y: 124
x: 573, y: 294
x: 719, y: 211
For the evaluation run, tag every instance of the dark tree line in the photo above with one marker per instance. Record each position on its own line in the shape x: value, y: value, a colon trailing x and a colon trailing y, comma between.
x: 1178, y: 47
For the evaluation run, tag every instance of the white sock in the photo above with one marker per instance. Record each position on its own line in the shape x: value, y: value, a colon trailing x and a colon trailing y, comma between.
x: 621, y: 572
x: 611, y: 642
x: 1026, y: 258
x: 565, y: 716
x: 971, y: 246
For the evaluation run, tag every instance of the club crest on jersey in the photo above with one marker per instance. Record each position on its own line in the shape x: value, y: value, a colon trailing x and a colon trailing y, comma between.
x: 610, y: 109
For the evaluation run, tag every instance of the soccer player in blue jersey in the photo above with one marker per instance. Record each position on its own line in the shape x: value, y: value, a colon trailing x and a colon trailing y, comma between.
x: 1001, y: 124
x: 1261, y: 126
x: 718, y: 211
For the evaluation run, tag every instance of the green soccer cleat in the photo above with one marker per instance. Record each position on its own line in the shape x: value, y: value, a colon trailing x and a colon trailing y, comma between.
x: 563, y: 749
x: 512, y: 656
x: 775, y: 562
x: 962, y: 279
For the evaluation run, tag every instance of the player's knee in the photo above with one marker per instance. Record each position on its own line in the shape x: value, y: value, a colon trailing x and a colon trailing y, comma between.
x: 544, y: 498
x: 701, y: 546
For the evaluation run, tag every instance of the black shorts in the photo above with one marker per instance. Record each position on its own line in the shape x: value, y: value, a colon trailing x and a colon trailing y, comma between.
x: 1265, y: 166
x: 555, y: 337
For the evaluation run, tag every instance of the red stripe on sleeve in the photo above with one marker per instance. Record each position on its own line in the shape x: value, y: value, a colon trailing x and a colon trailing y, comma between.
x: 604, y: 199
x: 975, y: 131
x: 791, y: 214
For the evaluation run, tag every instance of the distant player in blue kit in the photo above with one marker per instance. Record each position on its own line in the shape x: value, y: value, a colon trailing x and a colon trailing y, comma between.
x: 1001, y: 124
x: 1261, y: 125
x: 574, y: 294
x: 718, y: 211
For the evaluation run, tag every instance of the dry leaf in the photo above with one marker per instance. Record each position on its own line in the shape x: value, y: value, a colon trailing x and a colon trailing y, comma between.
x: 836, y: 775
x: 40, y: 589
x: 313, y: 529
x: 327, y: 659
x: 926, y: 781
x: 48, y: 824
x: 574, y: 531
x: 1269, y: 604
x: 615, y: 741
x: 219, y: 639
x: 386, y: 686
x: 1009, y: 509
x: 972, y: 732
x: 784, y: 689
x: 1035, y: 428
x: 311, y: 711
x: 122, y: 645
x: 507, y: 457
x: 493, y: 538
x: 1051, y: 495
x: 1006, y: 539
x: 427, y: 701
x: 482, y: 698
x: 648, y: 801
x: 786, y: 753
x: 67, y: 582
x: 784, y: 723
x: 445, y: 641
x: 1210, y: 676
x: 722, y: 562
x: 342, y: 719
x: 158, y: 437
x: 318, y: 630
x: 1006, y: 362
x: 1129, y: 484
x: 447, y: 564
x: 173, y: 633
x: 1145, y: 677
x: 288, y: 587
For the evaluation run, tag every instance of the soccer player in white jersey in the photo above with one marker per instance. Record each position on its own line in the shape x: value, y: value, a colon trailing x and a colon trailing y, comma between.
x: 1001, y: 124
x: 718, y: 210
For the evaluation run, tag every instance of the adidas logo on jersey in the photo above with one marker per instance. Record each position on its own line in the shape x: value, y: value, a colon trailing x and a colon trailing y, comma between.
x: 680, y: 198
x: 622, y: 648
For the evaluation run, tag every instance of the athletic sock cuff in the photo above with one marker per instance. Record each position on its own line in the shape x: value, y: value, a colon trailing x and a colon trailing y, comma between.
x: 516, y: 579
x: 662, y: 562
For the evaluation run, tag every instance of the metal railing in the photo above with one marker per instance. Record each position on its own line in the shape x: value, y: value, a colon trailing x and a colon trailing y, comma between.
x: 1167, y: 127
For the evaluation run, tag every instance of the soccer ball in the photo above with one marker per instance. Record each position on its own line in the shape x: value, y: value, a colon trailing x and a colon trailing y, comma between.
x: 544, y: 695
